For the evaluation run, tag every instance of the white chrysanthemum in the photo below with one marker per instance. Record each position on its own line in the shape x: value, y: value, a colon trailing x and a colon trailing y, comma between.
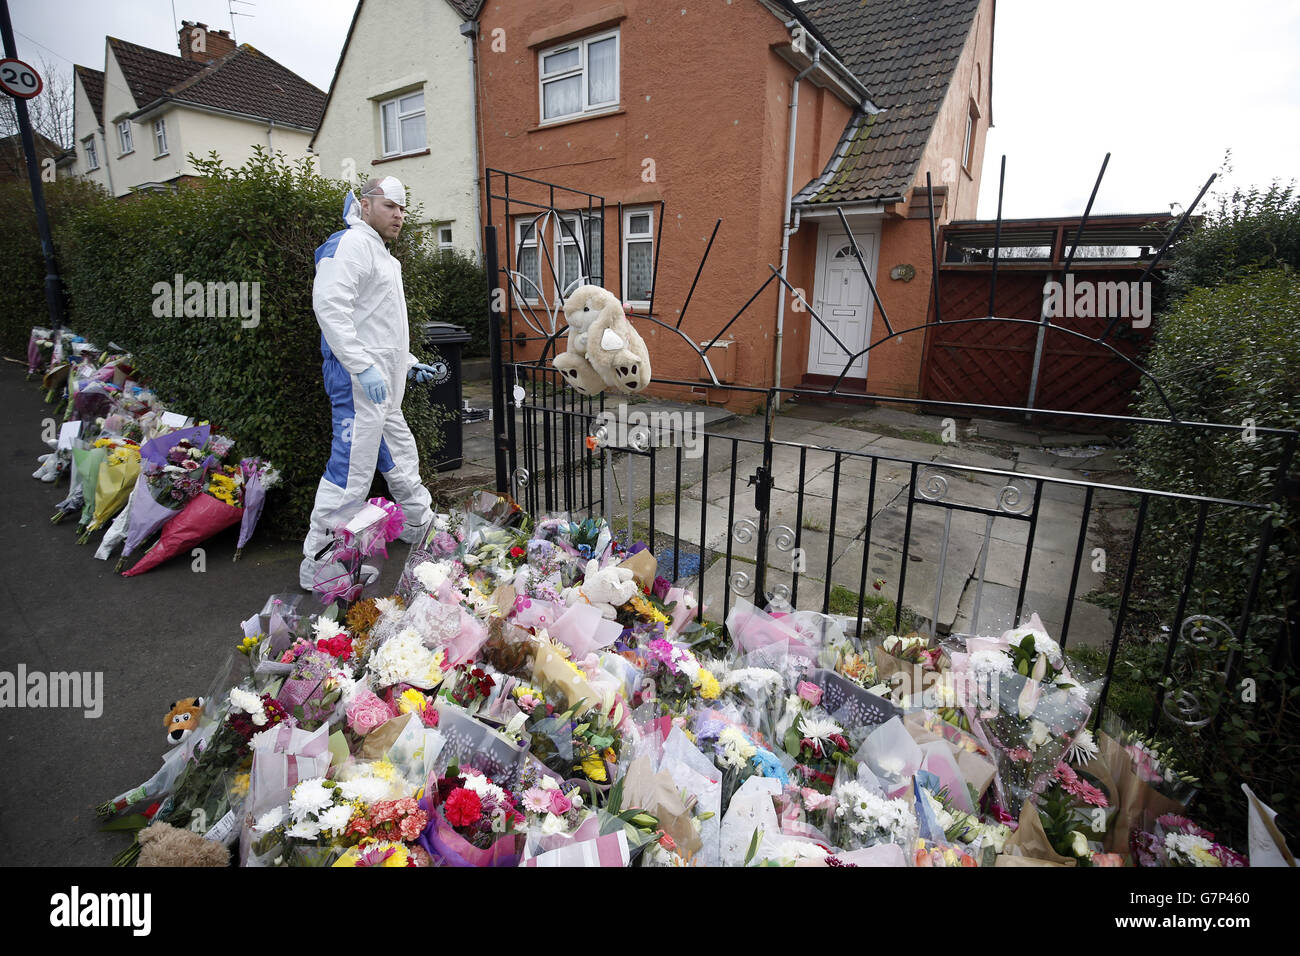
x: 1083, y: 748
x: 990, y: 662
x: 868, y: 814
x: 483, y: 787
x: 1043, y: 644
x: 365, y: 789
x: 817, y: 728
x: 310, y: 796
x: 304, y: 830
x: 384, y: 605
x: 687, y: 664
x: 245, y: 701
x: 431, y: 574
x: 326, y: 629
x: 1182, y: 847
x: 271, y: 819
x: 403, y: 659
x: 335, y: 819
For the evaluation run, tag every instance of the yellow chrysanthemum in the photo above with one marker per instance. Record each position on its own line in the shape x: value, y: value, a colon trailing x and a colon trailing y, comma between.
x: 411, y: 701
x: 383, y: 769
x: 522, y: 690
x: 708, y: 685
x: 594, y: 767
x: 239, y: 786
x: 689, y: 735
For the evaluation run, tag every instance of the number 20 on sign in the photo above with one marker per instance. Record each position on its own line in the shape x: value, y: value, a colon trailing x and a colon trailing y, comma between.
x: 19, y: 80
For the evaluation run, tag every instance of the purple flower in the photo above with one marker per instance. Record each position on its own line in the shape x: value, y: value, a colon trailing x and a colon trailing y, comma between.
x: 660, y: 587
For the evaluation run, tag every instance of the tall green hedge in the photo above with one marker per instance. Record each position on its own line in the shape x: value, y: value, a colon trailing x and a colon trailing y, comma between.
x: 259, y: 223
x: 1228, y: 354
x: 22, y: 267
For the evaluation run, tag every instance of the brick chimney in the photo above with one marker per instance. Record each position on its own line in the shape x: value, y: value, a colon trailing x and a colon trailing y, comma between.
x: 202, y: 45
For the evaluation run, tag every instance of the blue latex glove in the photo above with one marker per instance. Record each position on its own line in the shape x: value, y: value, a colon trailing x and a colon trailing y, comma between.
x: 375, y: 387
x: 420, y: 372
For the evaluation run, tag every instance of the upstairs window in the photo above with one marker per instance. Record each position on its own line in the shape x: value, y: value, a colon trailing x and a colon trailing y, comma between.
x: 92, y: 154
x: 124, y: 137
x: 402, y: 122
x: 579, y: 77
x: 160, y: 137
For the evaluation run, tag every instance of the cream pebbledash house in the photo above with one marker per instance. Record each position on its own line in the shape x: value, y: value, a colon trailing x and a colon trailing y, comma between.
x: 137, y: 120
x: 402, y: 103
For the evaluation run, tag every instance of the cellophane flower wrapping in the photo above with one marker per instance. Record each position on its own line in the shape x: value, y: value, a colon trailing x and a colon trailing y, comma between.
x: 200, y: 519
x: 1026, y: 707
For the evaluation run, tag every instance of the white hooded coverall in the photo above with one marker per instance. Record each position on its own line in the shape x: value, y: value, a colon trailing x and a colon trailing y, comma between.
x: 361, y: 308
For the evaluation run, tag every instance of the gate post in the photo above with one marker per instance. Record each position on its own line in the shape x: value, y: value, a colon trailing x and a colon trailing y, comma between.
x: 762, y: 501
x: 500, y: 442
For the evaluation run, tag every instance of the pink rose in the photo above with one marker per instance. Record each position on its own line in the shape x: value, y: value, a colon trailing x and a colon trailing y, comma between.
x: 560, y: 804
x: 809, y: 692
x: 366, y: 712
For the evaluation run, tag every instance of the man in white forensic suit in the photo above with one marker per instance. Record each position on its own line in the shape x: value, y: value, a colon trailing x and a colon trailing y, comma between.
x: 365, y: 341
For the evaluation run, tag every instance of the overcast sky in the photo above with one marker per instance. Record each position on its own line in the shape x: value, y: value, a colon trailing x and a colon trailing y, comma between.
x: 1166, y: 86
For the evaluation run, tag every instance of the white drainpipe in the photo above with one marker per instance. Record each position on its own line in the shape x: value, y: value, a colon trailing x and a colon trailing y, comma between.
x: 787, y: 227
x: 469, y: 30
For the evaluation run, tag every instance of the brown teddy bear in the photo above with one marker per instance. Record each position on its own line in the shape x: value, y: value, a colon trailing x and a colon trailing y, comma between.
x: 183, y: 718
x: 604, y: 350
x: 162, y: 844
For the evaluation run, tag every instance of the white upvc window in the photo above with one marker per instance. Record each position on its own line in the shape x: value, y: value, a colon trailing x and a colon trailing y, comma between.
x: 125, y: 145
x: 444, y: 237
x: 160, y: 136
x: 92, y: 154
x: 579, y: 77
x: 528, y: 263
x: 402, y: 122
x: 638, y: 255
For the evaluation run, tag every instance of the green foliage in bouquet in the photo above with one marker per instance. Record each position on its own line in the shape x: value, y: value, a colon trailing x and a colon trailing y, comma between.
x: 259, y: 383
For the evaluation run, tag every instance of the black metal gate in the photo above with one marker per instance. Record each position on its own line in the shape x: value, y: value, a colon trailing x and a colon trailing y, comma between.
x: 762, y: 513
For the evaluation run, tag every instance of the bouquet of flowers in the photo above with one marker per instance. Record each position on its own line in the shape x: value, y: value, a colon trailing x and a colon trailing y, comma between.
x: 472, y: 821
x: 864, y: 818
x: 217, y: 508
x: 1029, y: 707
x: 1177, y: 841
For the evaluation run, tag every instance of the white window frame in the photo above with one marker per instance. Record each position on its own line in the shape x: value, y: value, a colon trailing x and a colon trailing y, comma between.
x: 125, y: 140
x: 160, y: 136
x: 588, y: 108
x: 535, y: 222
x: 445, y: 243
x: 92, y: 153
x: 628, y: 237
x: 396, y: 103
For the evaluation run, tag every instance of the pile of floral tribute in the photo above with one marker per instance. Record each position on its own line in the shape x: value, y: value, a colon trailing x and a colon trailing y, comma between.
x: 535, y: 695
x: 135, y: 469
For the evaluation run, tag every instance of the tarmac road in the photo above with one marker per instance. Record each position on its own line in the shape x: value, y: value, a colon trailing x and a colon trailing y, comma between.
x: 154, y: 638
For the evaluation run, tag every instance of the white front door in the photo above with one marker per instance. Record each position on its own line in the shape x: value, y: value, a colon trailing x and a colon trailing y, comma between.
x: 843, y: 300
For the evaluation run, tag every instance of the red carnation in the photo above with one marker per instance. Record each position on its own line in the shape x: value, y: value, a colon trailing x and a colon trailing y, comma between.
x: 463, y: 808
x: 516, y: 552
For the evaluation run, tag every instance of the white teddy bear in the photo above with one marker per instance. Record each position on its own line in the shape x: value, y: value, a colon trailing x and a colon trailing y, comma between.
x: 603, y: 348
x: 604, y: 589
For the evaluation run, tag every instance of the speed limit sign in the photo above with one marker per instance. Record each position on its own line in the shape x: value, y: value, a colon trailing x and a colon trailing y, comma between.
x: 18, y: 79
